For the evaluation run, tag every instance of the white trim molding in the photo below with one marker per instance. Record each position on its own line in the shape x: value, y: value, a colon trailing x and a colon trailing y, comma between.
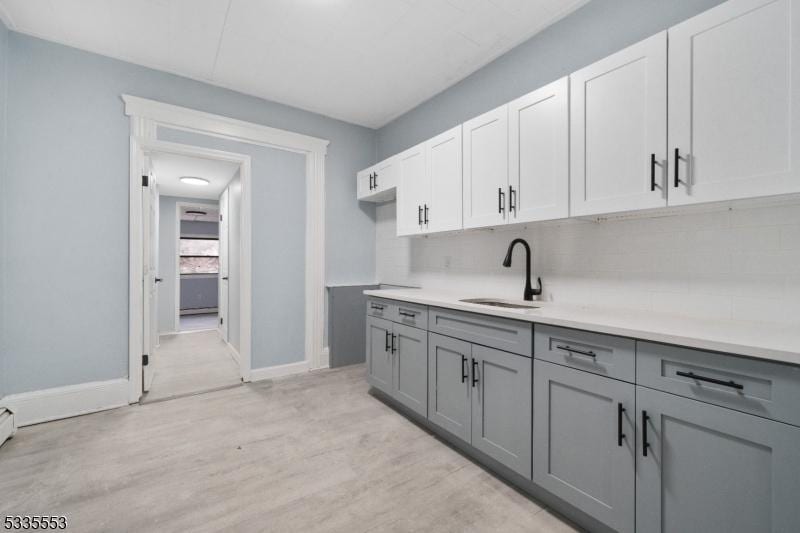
x: 279, y: 371
x: 146, y: 116
x: 7, y: 425
x: 64, y: 402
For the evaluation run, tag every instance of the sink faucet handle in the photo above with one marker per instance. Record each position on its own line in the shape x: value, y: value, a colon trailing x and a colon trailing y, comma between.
x: 538, y: 290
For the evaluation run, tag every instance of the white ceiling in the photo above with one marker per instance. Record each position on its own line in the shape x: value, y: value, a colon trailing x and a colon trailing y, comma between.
x: 169, y: 168
x: 362, y: 61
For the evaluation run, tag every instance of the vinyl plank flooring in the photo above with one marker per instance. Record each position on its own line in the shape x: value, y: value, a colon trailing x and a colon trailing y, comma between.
x: 311, y: 453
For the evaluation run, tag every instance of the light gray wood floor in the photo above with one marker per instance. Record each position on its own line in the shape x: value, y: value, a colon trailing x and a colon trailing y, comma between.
x: 192, y: 362
x: 312, y: 453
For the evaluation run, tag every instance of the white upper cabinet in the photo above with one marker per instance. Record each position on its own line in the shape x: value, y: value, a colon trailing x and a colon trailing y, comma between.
x: 538, y: 154
x: 444, y: 158
x: 378, y: 183
x: 734, y: 103
x: 618, y: 131
x: 412, y: 191
x: 486, y: 169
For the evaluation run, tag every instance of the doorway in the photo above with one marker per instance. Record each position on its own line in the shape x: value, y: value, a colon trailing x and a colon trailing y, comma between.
x: 189, y: 196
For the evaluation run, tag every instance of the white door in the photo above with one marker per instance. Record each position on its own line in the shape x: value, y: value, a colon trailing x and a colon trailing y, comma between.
x: 150, y: 278
x: 222, y: 304
x: 443, y: 153
x: 486, y: 169
x: 618, y: 117
x: 412, y: 191
x: 734, y: 103
x: 538, y: 154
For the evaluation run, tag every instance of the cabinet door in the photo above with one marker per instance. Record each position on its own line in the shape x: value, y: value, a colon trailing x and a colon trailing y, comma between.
x: 449, y: 384
x: 385, y: 174
x: 412, y: 191
x: 486, y: 169
x: 734, y: 107
x: 364, y: 183
x: 444, y: 172
x: 501, y: 407
x: 410, y: 375
x: 538, y: 154
x: 379, y: 356
x: 584, y: 442
x: 618, y: 122
x: 713, y: 469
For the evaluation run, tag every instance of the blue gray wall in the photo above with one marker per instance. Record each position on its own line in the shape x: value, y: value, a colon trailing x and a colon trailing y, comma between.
x: 167, y: 255
x: 199, y: 227
x: 278, y: 247
x: 70, y: 148
x: 3, y: 251
x: 596, y: 30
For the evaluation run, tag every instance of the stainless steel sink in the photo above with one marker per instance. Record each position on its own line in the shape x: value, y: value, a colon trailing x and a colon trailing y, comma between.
x: 499, y: 303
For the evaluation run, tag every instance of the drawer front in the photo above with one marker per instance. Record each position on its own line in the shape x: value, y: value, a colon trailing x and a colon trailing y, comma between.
x: 610, y: 356
x: 504, y: 334
x: 411, y: 315
x: 763, y: 388
x: 381, y: 308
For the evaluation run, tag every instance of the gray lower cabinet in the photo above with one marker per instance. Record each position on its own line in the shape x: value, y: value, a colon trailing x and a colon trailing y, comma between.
x: 379, y: 356
x: 501, y: 407
x: 584, y: 442
x: 449, y: 385
x: 410, y: 372
x: 713, y: 469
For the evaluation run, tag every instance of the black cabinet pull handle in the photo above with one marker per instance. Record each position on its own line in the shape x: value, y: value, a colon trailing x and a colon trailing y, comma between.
x: 425, y: 219
x: 386, y: 348
x: 407, y: 314
x: 501, y: 200
x: 159, y: 280
x: 474, y: 372
x: 620, y: 434
x: 512, y: 197
x: 571, y: 350
x: 675, y: 170
x: 375, y: 180
x: 370, y: 181
x: 464, y: 371
x: 645, y: 444
x: 652, y: 172
x: 394, y: 348
x: 376, y: 306
x: 730, y: 383
x: 419, y: 215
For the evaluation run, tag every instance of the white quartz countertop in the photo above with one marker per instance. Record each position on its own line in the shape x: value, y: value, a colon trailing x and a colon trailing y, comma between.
x: 762, y: 341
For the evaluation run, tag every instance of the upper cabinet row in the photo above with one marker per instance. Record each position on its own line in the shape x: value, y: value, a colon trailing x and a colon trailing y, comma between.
x: 703, y: 112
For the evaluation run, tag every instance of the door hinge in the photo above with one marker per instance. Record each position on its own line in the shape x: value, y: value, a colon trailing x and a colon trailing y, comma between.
x: 145, y: 181
x: 221, y: 320
x: 145, y: 360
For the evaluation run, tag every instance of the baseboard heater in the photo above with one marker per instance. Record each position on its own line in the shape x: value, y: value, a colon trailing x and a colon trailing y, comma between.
x: 7, y: 428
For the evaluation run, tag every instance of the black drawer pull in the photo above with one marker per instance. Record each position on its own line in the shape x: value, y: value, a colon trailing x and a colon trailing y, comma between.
x: 394, y: 348
x: 571, y: 350
x: 675, y: 170
x: 464, y: 371
x: 652, y: 172
x: 501, y: 200
x: 419, y: 215
x: 425, y: 216
x: 730, y: 383
x: 474, y: 372
x: 376, y: 306
x: 407, y: 314
x: 620, y: 434
x: 386, y: 349
x: 375, y: 180
x: 645, y: 444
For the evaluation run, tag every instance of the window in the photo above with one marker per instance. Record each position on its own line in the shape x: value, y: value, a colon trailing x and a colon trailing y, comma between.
x: 199, y: 256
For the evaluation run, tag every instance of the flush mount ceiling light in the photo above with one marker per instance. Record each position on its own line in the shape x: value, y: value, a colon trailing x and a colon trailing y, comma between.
x: 192, y: 180
x: 193, y: 212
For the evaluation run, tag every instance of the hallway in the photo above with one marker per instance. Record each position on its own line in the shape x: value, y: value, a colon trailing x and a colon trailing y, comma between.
x: 188, y: 363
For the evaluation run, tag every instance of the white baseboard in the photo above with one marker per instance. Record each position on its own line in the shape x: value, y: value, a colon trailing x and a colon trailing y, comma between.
x: 270, y: 372
x: 234, y: 353
x: 63, y: 402
x: 7, y: 426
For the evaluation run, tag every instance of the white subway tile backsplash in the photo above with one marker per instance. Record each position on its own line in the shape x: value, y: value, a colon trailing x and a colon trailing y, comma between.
x: 739, y: 263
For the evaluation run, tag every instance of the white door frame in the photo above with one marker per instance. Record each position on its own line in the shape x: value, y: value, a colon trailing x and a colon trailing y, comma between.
x: 176, y: 327
x: 146, y: 116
